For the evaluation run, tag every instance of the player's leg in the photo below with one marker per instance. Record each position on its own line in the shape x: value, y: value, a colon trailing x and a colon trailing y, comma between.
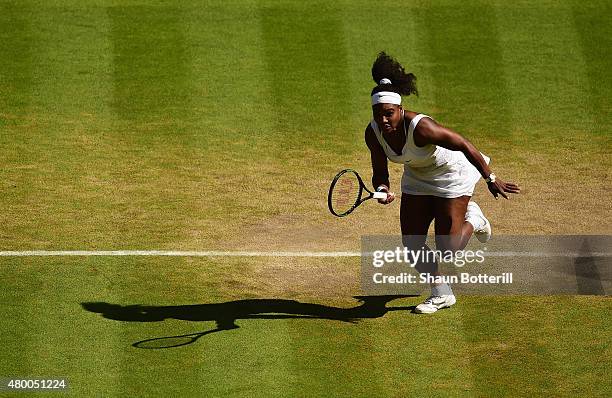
x: 416, y: 214
x: 452, y: 230
x: 454, y: 225
x: 455, y: 221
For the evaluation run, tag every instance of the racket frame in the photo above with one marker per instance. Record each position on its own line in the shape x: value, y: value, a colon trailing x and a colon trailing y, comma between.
x: 360, y: 199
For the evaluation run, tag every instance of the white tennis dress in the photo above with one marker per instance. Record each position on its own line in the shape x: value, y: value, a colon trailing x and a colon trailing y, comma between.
x: 431, y: 170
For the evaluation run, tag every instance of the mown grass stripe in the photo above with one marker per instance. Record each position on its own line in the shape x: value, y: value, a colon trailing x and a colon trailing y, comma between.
x: 306, y: 61
x: 16, y: 58
x: 151, y: 72
x: 546, y: 72
x: 18, y: 38
x: 74, y: 61
x: 305, y: 52
x: 465, y: 69
x: 67, y: 87
x: 471, y: 96
x: 593, y: 25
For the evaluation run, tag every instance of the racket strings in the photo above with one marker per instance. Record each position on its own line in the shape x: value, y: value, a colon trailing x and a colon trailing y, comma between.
x: 346, y: 193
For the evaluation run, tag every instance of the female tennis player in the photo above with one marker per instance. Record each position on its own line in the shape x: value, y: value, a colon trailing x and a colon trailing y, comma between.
x: 441, y: 169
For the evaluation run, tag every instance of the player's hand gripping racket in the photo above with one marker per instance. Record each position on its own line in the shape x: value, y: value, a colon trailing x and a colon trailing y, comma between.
x: 347, y: 191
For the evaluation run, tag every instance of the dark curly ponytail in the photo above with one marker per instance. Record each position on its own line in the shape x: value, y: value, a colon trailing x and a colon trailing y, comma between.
x: 385, y: 67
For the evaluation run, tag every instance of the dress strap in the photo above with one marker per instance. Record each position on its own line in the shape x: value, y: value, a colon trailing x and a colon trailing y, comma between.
x: 414, y: 122
x: 378, y: 134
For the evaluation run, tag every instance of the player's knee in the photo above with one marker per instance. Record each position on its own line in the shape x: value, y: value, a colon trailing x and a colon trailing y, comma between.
x: 451, y: 243
x: 426, y: 268
x: 414, y: 242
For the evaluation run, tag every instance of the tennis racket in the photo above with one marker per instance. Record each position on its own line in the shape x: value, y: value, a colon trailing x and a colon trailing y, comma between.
x: 347, y: 191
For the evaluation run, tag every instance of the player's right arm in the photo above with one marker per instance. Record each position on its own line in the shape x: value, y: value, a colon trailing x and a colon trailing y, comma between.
x: 380, y: 169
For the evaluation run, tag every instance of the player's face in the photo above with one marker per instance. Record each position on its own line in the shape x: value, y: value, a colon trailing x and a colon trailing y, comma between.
x: 387, y: 116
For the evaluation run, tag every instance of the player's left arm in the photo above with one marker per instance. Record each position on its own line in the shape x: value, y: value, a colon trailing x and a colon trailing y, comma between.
x: 429, y: 132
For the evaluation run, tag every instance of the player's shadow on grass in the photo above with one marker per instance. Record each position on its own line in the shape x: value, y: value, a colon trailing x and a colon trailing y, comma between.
x: 226, y: 314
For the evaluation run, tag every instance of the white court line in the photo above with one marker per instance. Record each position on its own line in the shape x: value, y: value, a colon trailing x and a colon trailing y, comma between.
x: 546, y: 254
x: 174, y: 253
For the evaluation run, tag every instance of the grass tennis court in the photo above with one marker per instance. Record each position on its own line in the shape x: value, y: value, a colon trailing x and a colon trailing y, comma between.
x: 217, y: 125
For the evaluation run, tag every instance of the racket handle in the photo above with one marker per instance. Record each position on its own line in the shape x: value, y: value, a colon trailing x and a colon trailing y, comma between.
x: 380, y: 195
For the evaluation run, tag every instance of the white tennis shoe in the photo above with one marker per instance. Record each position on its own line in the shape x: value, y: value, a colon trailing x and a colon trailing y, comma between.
x: 482, y: 226
x: 435, y: 303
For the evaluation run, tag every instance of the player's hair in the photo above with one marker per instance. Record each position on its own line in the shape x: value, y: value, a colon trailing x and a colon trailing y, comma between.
x: 386, y: 67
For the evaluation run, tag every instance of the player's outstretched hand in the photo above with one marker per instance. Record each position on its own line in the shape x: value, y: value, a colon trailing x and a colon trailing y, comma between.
x: 501, y: 188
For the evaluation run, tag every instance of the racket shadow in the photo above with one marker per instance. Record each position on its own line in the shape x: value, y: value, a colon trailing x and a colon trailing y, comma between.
x: 226, y: 314
x: 172, y: 341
